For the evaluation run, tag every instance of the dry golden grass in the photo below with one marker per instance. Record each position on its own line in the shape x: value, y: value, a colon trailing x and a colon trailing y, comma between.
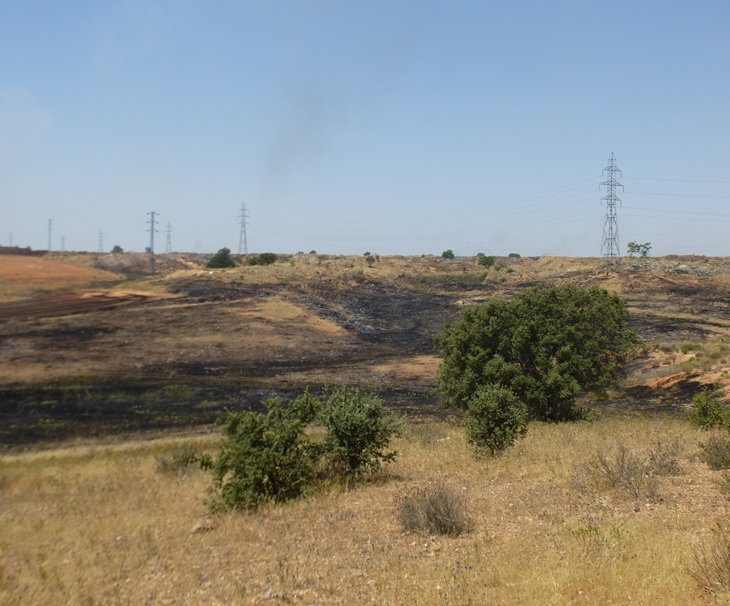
x: 105, y: 525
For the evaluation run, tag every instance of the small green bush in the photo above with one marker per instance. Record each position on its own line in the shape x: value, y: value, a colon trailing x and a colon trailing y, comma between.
x: 687, y: 347
x: 448, y: 254
x: 370, y: 260
x: 263, y: 259
x: 358, y: 430
x: 708, y: 411
x: 434, y: 510
x: 221, y: 259
x: 514, y: 255
x: 265, y: 457
x: 486, y: 261
x: 495, y: 419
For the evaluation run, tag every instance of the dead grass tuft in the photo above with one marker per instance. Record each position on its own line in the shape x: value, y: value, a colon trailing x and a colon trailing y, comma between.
x: 628, y: 471
x: 434, y: 510
x: 716, y: 452
x: 710, y: 566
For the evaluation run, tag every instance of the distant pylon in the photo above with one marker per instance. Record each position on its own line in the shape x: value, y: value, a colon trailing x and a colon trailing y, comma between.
x: 609, y: 242
x: 63, y: 243
x: 168, y: 233
x: 243, y: 221
x: 49, y: 234
x: 101, y: 241
x: 152, y: 230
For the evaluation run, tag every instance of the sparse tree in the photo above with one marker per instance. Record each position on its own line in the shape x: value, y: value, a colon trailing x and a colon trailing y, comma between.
x: 634, y: 248
x: 448, y: 254
x: 117, y: 249
x: 221, y: 259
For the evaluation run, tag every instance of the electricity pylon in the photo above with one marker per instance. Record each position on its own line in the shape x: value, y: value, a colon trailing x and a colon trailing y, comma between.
x: 609, y: 242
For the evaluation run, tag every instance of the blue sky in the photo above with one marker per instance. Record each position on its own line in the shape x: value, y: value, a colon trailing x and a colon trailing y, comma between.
x: 392, y: 127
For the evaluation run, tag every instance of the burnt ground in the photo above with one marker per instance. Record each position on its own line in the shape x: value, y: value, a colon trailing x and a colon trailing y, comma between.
x: 230, y: 340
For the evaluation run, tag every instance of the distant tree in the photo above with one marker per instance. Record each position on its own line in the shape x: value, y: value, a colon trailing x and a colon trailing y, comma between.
x: 634, y: 248
x: 367, y: 254
x: 221, y: 259
x: 263, y: 259
x: 117, y: 249
x: 370, y: 259
x: 312, y: 252
x: 148, y: 250
x: 448, y: 254
x: 486, y: 261
x: 480, y: 255
x: 514, y: 255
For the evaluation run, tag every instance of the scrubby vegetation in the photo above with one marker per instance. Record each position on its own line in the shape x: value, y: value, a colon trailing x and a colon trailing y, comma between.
x: 495, y: 418
x: 263, y: 259
x: 434, y: 510
x: 270, y: 457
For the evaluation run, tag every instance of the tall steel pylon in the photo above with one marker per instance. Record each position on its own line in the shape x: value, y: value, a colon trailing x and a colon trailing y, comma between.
x: 152, y: 230
x: 609, y: 242
x: 101, y: 241
x: 243, y: 221
x: 50, y: 225
x: 168, y: 233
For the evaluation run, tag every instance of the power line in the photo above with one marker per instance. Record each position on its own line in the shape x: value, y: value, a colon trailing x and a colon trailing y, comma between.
x: 152, y: 231
x: 168, y: 233
x: 243, y: 221
x: 609, y: 241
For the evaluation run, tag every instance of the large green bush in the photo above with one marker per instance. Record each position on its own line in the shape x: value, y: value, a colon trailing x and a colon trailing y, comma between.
x: 269, y: 457
x: 495, y: 419
x: 221, y: 259
x: 265, y: 457
x: 546, y: 346
x: 358, y: 431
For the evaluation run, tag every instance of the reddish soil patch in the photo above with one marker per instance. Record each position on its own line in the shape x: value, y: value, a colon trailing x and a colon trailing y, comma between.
x: 67, y: 303
x: 31, y: 270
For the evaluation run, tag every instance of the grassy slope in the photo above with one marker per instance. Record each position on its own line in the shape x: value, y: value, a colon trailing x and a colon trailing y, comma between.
x: 106, y: 525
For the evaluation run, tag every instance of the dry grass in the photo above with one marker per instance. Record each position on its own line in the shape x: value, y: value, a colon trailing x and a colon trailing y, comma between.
x: 110, y: 525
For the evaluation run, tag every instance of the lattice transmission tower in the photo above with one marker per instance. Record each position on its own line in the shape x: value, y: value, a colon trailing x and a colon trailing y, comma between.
x: 243, y: 221
x: 168, y: 233
x: 609, y: 243
x: 152, y: 231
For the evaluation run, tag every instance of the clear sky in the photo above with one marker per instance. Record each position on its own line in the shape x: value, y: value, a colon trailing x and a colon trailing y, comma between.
x: 395, y: 126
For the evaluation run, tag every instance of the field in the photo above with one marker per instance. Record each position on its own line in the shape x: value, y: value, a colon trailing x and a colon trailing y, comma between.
x: 109, y: 365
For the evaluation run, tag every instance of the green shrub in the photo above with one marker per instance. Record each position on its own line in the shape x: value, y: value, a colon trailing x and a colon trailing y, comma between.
x: 117, y: 249
x: 448, y: 254
x: 708, y: 411
x: 370, y: 260
x: 687, y: 347
x: 486, y: 261
x: 263, y: 259
x: 221, y: 259
x: 358, y: 430
x: 434, y: 510
x: 266, y: 457
x: 546, y: 346
x: 513, y: 256
x: 495, y: 419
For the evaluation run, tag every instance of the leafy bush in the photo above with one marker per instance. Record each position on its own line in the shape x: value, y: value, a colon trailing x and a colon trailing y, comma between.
x: 221, y: 259
x: 434, y: 510
x: 716, y: 453
x: 358, y: 430
x: 263, y: 259
x: 495, y: 419
x: 486, y: 261
x: 265, y: 457
x: 370, y: 260
x: 546, y: 346
x: 448, y: 254
x: 708, y: 411
x: 514, y: 255
x: 117, y: 249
